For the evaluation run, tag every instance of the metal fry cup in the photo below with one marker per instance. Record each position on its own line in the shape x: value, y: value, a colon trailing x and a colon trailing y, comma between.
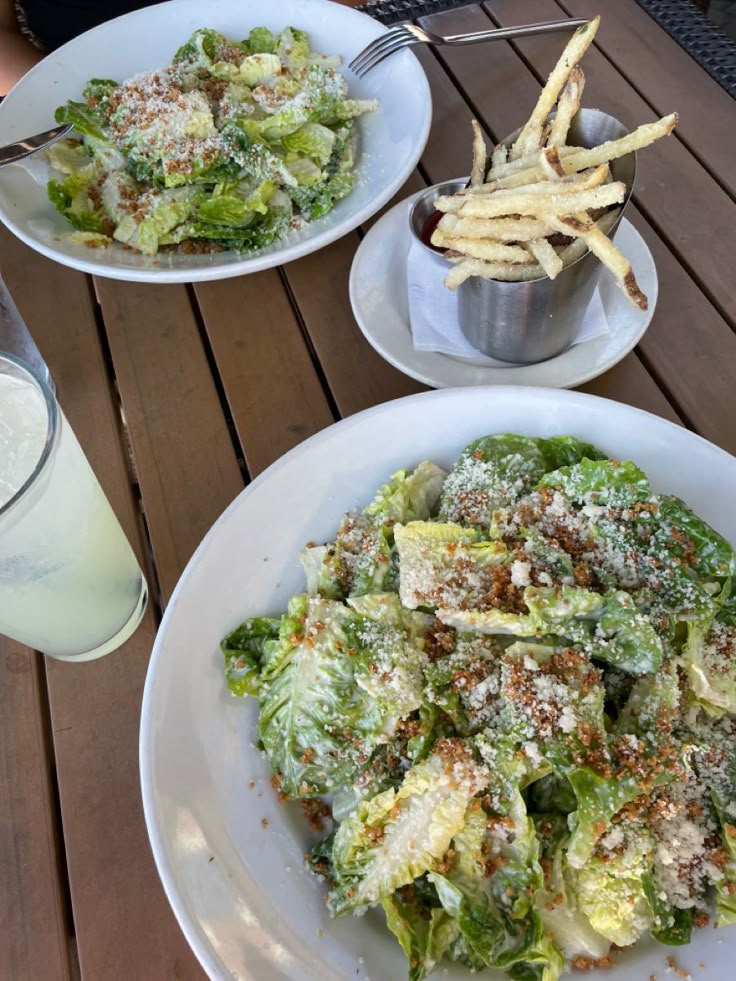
x: 530, y: 321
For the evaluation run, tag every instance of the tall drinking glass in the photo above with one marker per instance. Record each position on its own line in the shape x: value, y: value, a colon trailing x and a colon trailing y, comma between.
x: 70, y: 585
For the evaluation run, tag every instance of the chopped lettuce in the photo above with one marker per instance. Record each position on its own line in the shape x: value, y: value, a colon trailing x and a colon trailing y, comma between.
x: 490, y: 890
x: 315, y: 722
x: 496, y: 471
x: 710, y: 662
x: 610, y: 891
x: 257, y: 135
x: 516, y: 682
x: 390, y: 840
x: 425, y: 931
x: 243, y: 650
x: 361, y: 559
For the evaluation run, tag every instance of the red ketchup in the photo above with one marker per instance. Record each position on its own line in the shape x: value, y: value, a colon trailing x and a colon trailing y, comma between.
x: 428, y: 229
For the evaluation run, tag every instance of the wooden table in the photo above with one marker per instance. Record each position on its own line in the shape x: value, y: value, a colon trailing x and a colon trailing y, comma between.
x: 180, y: 395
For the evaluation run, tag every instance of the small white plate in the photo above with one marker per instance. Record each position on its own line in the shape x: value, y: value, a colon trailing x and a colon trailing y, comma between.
x: 391, y: 139
x: 378, y: 294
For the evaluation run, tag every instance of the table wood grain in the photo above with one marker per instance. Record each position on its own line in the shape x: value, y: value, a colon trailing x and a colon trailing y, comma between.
x: 181, y: 395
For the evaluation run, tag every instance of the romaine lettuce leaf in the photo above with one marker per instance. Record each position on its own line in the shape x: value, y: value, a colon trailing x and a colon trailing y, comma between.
x: 360, y: 560
x: 641, y: 755
x: 85, y: 119
x: 390, y: 840
x: 292, y: 46
x: 670, y: 925
x: 164, y: 210
x: 555, y: 700
x: 496, y: 471
x: 624, y: 636
x: 238, y: 208
x: 258, y: 234
x: 490, y: 890
x: 445, y: 565
x: 408, y: 496
x: 317, y: 725
x: 465, y: 682
x: 606, y: 483
x: 243, y: 649
x: 311, y: 140
x: 569, y: 927
x: 70, y: 199
x: 710, y: 661
x: 551, y: 610
x: 610, y: 891
x: 261, y: 41
x: 385, y: 644
x: 320, y: 197
x: 424, y: 931
x: 68, y: 156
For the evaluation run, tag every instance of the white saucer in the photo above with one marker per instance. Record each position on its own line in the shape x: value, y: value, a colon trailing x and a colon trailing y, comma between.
x: 378, y: 294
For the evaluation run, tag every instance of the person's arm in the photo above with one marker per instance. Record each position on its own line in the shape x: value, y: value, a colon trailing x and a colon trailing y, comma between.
x: 17, y: 54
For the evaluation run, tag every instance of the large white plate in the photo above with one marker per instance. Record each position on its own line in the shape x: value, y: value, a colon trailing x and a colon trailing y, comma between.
x: 239, y: 890
x: 391, y: 139
x: 378, y: 294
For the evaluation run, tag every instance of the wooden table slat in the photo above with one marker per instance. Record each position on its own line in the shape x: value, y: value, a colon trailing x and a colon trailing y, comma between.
x: 273, y: 389
x: 691, y: 346
x: 32, y: 921
x: 630, y: 376
x: 358, y: 377
x: 123, y: 923
x: 667, y: 76
x: 184, y: 456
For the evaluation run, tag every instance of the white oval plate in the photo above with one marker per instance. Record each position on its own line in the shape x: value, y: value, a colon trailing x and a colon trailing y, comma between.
x: 391, y: 139
x: 378, y: 294
x: 239, y: 890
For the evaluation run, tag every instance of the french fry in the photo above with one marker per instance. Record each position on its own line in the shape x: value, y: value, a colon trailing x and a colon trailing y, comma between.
x: 560, y: 182
x: 572, y: 252
x: 546, y: 256
x: 606, y: 222
x: 598, y: 242
x: 498, y: 157
x: 529, y: 160
x: 478, y: 172
x: 491, y: 270
x: 498, y: 229
x: 521, y: 272
x: 567, y: 107
x: 551, y: 163
x: 502, y: 227
x: 530, y: 135
x: 577, y: 248
x: 481, y: 248
x: 642, y: 136
x: 538, y: 205
x: 581, y: 158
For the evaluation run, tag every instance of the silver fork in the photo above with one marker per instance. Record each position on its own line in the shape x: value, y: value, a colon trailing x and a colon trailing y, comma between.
x: 32, y: 144
x: 404, y: 35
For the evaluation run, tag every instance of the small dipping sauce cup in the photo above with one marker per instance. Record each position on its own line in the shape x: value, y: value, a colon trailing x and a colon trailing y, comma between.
x: 527, y: 322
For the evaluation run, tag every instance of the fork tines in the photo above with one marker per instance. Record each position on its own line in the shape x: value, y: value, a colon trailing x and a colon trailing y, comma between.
x: 394, y: 39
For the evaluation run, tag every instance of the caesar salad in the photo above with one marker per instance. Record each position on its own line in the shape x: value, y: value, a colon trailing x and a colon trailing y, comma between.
x: 508, y: 695
x: 232, y: 146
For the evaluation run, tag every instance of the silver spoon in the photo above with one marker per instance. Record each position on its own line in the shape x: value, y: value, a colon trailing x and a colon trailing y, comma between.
x: 32, y: 144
